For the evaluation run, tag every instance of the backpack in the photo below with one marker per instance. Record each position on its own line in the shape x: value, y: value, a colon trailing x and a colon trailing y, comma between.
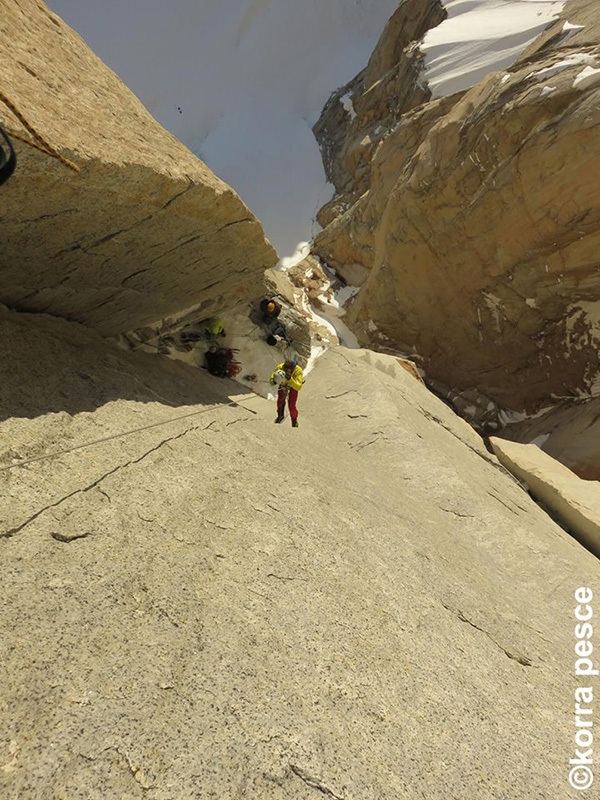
x: 7, y: 162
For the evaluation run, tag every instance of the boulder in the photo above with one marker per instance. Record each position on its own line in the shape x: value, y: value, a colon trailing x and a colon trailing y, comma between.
x: 568, y: 432
x: 573, y: 501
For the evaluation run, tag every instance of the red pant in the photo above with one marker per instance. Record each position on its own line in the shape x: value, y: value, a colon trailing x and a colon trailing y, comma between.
x: 292, y: 396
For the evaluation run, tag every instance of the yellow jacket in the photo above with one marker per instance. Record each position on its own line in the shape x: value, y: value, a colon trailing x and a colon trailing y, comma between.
x: 295, y: 382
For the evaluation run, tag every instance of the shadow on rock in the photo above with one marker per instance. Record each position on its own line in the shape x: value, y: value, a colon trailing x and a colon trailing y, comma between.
x: 49, y: 365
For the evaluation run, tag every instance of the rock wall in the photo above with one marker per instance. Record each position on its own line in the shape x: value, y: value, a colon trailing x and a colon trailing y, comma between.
x: 477, y: 237
x: 223, y: 607
x: 574, y: 502
x: 568, y: 432
x: 145, y: 230
x: 359, y: 115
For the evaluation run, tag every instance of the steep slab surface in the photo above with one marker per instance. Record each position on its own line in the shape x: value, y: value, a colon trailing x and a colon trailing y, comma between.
x: 368, y: 607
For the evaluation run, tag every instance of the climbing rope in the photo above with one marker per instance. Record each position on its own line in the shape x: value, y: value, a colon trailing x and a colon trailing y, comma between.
x: 41, y: 144
x: 58, y: 453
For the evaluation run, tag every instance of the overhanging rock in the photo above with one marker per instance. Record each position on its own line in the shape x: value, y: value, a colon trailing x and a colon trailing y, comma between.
x: 144, y: 230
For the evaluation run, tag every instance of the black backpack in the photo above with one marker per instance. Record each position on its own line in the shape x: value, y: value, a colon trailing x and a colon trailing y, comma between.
x: 8, y: 162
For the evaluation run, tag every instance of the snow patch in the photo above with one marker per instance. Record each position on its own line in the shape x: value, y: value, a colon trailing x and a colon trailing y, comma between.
x: 316, y: 352
x: 494, y: 305
x: 331, y: 310
x: 589, y: 76
x: 479, y: 37
x: 509, y: 417
x: 346, y: 101
x: 300, y: 253
x: 345, y: 335
x: 572, y: 60
x: 506, y: 417
x: 570, y: 30
x: 344, y: 294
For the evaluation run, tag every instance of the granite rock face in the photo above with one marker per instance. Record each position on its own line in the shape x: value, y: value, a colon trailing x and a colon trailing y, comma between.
x: 475, y: 233
x: 220, y: 607
x: 144, y: 231
x: 568, y: 432
x: 574, y: 502
x: 359, y: 115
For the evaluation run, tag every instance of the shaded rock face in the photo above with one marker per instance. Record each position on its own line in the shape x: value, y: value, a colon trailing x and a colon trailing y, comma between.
x: 181, y: 622
x: 478, y: 234
x: 244, y: 331
x: 145, y: 230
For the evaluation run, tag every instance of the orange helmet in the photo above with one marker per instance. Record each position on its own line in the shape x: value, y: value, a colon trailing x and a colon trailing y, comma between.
x: 271, y: 307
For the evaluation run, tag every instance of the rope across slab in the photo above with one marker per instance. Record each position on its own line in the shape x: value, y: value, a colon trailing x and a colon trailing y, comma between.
x: 40, y: 143
x: 59, y: 453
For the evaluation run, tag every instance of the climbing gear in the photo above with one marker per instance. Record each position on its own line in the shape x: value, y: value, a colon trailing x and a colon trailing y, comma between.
x: 279, y: 377
x: 279, y: 334
x: 271, y: 307
x: 220, y: 361
x: 40, y: 144
x: 233, y: 367
x: 7, y: 162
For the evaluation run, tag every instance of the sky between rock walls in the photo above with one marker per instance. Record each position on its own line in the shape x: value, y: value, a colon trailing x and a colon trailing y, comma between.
x: 242, y: 82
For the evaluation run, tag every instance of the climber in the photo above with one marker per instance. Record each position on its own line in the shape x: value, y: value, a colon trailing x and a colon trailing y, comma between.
x: 270, y: 309
x: 289, y: 377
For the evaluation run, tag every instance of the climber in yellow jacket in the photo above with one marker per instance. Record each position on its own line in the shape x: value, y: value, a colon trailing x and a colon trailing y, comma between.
x: 289, y: 377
